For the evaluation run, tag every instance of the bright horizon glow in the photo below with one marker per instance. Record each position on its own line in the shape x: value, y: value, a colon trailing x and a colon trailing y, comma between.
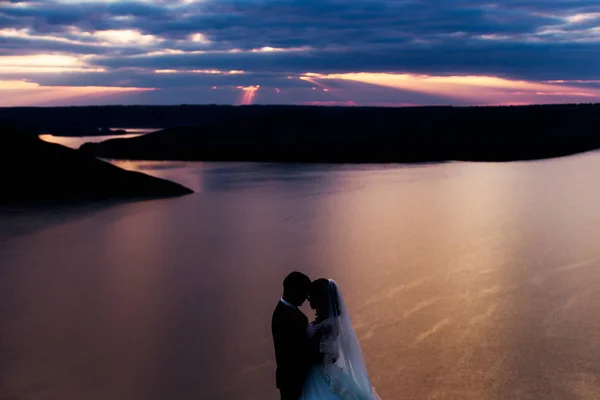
x: 26, y: 93
x: 479, y: 90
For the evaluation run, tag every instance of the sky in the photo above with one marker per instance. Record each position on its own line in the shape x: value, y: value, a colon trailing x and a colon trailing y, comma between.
x: 325, y: 52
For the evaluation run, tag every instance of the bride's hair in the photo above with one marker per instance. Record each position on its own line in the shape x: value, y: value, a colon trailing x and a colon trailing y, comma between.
x: 324, y: 297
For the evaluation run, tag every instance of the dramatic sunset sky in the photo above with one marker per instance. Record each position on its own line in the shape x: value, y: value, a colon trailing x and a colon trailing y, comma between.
x: 359, y: 52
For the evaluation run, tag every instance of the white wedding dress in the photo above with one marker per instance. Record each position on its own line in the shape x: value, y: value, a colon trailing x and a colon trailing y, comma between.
x: 343, y: 373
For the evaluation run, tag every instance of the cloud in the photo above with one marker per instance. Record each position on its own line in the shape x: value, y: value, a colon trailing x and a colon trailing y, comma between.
x: 26, y: 93
x: 117, y: 42
x: 43, y: 63
x: 474, y: 89
x: 520, y: 60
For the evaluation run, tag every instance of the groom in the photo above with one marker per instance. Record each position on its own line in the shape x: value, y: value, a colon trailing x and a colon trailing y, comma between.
x: 292, y: 346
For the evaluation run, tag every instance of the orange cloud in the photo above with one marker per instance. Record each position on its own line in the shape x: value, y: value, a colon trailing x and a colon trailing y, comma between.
x: 473, y: 89
x: 198, y: 71
x: 45, y: 63
x: 25, y: 93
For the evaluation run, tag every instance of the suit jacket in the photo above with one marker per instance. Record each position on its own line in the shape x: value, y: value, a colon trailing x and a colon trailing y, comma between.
x: 293, y: 349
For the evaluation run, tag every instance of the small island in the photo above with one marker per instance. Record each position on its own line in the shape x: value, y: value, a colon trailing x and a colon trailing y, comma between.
x: 36, y: 172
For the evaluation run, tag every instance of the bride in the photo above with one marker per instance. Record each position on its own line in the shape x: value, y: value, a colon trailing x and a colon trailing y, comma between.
x: 340, y: 371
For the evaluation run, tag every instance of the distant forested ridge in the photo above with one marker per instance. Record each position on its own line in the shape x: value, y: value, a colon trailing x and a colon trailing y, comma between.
x: 332, y: 134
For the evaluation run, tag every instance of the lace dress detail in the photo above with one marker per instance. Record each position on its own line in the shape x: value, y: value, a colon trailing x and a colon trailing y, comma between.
x: 341, y: 373
x: 337, y: 379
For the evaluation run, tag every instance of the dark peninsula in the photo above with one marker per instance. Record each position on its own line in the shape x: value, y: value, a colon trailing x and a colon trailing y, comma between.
x: 35, y: 172
x: 365, y: 135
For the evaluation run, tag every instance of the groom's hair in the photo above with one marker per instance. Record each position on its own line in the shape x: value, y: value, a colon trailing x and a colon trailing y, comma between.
x: 295, y: 282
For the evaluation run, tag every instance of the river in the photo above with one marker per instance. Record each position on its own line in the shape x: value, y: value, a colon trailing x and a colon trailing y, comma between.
x: 464, y: 281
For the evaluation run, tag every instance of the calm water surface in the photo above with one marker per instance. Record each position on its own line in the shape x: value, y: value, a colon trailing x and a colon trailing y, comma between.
x: 465, y: 281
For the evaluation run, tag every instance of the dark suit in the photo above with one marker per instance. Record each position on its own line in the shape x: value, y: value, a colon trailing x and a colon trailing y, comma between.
x: 292, y: 350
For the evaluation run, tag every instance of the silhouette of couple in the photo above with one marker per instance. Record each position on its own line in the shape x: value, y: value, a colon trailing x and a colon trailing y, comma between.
x: 322, y: 359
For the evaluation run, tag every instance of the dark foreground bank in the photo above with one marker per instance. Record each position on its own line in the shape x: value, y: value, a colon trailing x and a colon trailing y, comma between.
x: 36, y: 172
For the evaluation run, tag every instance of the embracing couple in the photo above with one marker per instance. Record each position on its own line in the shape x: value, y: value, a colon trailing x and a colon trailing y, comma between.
x: 323, y: 359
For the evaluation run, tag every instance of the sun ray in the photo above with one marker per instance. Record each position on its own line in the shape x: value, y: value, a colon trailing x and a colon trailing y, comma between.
x: 247, y: 95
